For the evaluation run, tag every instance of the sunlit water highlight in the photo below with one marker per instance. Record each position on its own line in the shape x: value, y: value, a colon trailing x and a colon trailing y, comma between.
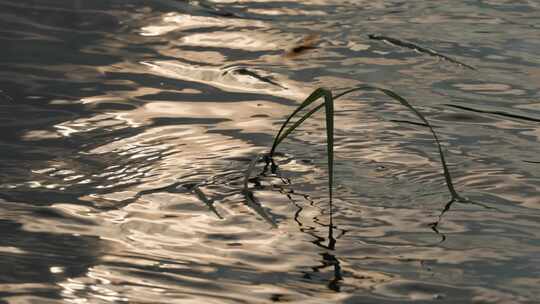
x: 126, y: 130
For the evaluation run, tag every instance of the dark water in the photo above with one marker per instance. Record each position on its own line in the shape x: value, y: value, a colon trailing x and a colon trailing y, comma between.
x: 111, y: 111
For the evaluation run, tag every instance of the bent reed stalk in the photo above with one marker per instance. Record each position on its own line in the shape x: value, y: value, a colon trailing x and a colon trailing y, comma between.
x: 328, y: 103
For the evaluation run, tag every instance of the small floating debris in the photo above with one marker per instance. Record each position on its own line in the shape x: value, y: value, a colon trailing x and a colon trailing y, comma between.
x: 418, y: 48
x: 306, y: 44
x: 253, y: 74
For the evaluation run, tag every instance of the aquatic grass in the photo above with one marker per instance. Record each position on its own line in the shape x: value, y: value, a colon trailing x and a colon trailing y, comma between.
x: 329, y: 107
x: 328, y: 103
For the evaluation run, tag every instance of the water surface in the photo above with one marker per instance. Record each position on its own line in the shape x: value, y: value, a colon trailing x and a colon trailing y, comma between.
x: 115, y: 117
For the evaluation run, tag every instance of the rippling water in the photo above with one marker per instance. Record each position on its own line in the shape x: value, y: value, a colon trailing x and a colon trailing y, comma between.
x: 126, y: 130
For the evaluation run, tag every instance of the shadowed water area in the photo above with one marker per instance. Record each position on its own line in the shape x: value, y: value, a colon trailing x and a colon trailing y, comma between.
x: 126, y: 130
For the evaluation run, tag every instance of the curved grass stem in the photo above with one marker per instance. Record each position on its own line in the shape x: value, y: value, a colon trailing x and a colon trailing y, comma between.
x: 328, y: 103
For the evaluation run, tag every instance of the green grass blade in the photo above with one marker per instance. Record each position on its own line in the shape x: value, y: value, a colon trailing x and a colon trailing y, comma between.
x: 318, y: 93
x: 298, y: 123
x: 321, y: 92
x: 329, y: 109
x: 328, y: 103
x: 405, y: 103
x: 329, y: 113
x: 446, y: 172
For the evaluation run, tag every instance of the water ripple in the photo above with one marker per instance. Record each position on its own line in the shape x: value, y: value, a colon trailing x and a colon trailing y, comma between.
x: 127, y: 130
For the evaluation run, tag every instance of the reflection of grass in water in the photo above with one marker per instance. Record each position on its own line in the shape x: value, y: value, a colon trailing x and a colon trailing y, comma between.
x: 328, y: 103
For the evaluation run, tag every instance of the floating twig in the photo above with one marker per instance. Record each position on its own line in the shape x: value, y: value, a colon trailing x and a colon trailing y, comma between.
x: 418, y: 48
x: 501, y: 113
